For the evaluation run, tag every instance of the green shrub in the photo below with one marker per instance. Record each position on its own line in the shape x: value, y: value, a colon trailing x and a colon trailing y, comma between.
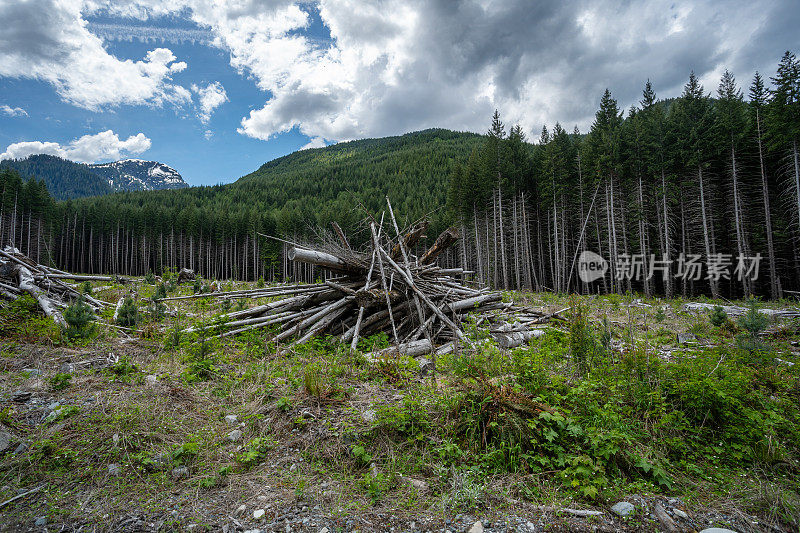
x: 86, y: 288
x: 585, y: 344
x: 128, y: 315
x: 255, y: 452
x: 60, y: 381
x: 123, y: 369
x: 80, y: 320
x: 185, y: 453
x: 150, y: 278
x: 200, y: 362
x: 172, y: 340
x: 753, y: 322
x: 717, y: 316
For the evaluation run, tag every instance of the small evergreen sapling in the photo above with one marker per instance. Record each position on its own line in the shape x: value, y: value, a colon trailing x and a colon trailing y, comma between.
x: 752, y: 322
x: 717, y: 316
x: 128, y: 315
x: 79, y: 318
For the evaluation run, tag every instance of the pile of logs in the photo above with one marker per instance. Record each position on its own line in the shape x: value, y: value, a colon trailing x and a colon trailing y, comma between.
x: 19, y: 275
x: 384, y: 288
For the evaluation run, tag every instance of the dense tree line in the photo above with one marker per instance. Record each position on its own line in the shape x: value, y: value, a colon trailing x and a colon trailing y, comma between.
x: 702, y: 178
x: 215, y: 230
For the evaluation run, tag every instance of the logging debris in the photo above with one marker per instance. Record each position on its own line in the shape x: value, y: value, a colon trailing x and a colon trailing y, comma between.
x: 19, y: 274
x: 381, y: 288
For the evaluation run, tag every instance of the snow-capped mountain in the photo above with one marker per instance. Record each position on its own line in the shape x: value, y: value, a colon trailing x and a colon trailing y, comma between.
x: 138, y: 175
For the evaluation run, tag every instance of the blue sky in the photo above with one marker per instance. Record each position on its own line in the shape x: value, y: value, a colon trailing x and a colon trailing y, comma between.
x: 216, y: 89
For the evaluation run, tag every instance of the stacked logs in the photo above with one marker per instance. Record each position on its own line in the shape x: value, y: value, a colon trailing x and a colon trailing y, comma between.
x: 19, y: 275
x: 384, y: 288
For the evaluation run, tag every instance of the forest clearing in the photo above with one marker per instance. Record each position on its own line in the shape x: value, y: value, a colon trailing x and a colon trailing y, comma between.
x: 621, y: 412
x: 454, y: 267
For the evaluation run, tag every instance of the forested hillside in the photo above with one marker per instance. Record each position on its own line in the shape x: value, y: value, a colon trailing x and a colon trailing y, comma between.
x: 64, y: 179
x: 708, y: 178
x: 214, y: 229
x: 67, y: 179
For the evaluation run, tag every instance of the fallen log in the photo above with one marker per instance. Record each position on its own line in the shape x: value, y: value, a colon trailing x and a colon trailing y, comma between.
x: 443, y: 242
x: 516, y: 338
x: 735, y: 310
x: 49, y: 306
x: 411, y: 349
x: 322, y: 259
x: 475, y: 302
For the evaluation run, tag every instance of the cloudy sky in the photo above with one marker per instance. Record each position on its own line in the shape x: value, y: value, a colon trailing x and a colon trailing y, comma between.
x: 214, y: 88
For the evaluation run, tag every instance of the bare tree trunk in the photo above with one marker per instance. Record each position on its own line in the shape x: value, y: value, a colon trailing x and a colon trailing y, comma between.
x: 667, y: 241
x: 502, y: 237
x: 708, y: 238
x: 741, y: 244
x: 648, y: 291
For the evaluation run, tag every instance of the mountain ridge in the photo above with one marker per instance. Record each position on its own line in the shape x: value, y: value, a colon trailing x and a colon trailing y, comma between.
x: 69, y: 180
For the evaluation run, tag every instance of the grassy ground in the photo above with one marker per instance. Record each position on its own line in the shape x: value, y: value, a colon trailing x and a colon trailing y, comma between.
x: 606, y: 406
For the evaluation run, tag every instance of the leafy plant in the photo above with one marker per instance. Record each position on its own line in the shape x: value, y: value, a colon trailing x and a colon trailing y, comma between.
x: 361, y: 455
x: 584, y: 345
x: 123, y: 369
x: 186, y: 452
x: 255, y: 451
x: 60, y: 381
x: 284, y: 404
x: 201, y: 365
x: 173, y: 338
x: 753, y: 322
x: 150, y: 278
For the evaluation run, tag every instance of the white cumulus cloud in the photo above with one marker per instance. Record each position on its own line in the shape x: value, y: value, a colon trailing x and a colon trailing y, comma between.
x: 314, y: 142
x: 49, y: 40
x: 13, y: 111
x: 209, y: 98
x: 102, y: 146
x: 394, y: 66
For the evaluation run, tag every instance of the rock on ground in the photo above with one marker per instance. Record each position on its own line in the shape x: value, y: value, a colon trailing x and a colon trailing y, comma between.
x: 623, y: 509
x: 477, y: 527
x: 5, y: 441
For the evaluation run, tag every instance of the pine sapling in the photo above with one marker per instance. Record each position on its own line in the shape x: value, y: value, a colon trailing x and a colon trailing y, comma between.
x: 80, y: 320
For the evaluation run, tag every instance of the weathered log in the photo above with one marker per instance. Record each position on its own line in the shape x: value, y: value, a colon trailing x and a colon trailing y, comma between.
x: 339, y: 233
x: 734, y: 310
x: 322, y: 259
x: 372, y: 297
x: 118, y: 307
x: 516, y: 338
x: 443, y: 242
x: 411, y: 349
x: 294, y: 330
x: 82, y: 277
x: 411, y: 238
x: 424, y: 298
x: 475, y: 302
x: 27, y: 284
